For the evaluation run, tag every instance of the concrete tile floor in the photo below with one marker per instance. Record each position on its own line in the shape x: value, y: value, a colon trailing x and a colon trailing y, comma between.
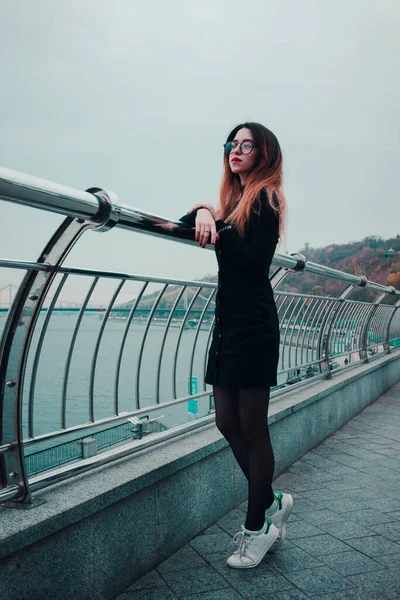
x: 343, y: 538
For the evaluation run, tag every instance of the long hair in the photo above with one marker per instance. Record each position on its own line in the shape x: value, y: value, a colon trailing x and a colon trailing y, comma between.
x: 266, y: 174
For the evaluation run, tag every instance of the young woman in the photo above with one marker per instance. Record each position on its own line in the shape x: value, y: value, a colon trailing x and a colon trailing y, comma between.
x: 243, y: 356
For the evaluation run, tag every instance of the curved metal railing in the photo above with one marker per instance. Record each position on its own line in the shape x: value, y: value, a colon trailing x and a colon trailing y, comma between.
x: 65, y: 381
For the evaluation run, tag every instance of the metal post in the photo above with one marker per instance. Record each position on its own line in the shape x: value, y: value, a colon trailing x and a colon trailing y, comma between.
x: 386, y: 343
x: 367, y: 323
x: 333, y: 314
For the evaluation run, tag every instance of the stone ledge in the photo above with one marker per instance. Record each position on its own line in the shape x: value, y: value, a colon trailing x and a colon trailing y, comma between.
x: 288, y: 404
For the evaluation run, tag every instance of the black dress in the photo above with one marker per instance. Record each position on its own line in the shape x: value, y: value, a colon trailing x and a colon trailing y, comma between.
x: 244, y: 351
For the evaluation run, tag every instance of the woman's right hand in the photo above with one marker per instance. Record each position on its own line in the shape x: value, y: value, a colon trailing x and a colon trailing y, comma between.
x: 207, y: 206
x: 205, y: 225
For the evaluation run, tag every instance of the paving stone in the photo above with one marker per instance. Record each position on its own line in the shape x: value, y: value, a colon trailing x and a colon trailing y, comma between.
x: 351, y: 563
x: 291, y: 594
x: 374, y: 545
x: 343, y: 485
x: 317, y: 517
x: 379, y: 441
x: 334, y: 441
x: 226, y: 594
x: 336, y: 438
x: 362, y: 453
x: 216, y: 542
x: 348, y: 594
x: 393, y: 462
x: 301, y: 494
x: 342, y: 504
x: 350, y: 429
x: 319, y: 495
x: 301, y: 484
x: 190, y: 581
x: 385, y: 584
x: 320, y: 477
x: 381, y: 472
x: 251, y: 585
x: 212, y: 529
x: 286, y: 545
x: 392, y: 489
x: 391, y: 531
x: 160, y: 593
x: 322, y: 461
x: 150, y: 580
x: 303, y: 467
x: 365, y: 477
x: 350, y: 461
x: 305, y: 505
x: 232, y: 522
x: 360, y: 443
x: 324, y: 450
x: 346, y: 530
x: 301, y: 529
x: 359, y: 476
x: 184, y: 558
x: 386, y: 505
x: 363, y: 492
x: 318, y: 545
x: 218, y: 561
x: 293, y: 559
x: 339, y: 471
x: 250, y: 582
x: 389, y: 451
x: 318, y: 580
x: 369, y: 516
x: 389, y: 560
x: 293, y: 518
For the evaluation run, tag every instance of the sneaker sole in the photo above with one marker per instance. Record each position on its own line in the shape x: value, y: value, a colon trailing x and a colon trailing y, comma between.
x: 275, y: 536
x: 282, y: 536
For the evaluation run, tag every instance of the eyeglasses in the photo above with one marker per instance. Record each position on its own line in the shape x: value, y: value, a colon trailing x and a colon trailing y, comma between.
x: 245, y: 147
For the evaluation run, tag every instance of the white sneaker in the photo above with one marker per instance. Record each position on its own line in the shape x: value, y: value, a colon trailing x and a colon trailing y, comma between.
x: 251, y: 548
x: 280, y: 517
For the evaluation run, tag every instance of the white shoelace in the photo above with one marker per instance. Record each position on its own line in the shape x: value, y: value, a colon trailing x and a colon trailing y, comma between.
x: 241, y: 543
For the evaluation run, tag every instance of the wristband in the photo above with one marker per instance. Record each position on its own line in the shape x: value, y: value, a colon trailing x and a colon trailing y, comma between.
x: 224, y: 228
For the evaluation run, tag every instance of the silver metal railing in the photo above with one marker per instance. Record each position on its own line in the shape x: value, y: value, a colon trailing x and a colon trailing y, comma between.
x: 157, y: 344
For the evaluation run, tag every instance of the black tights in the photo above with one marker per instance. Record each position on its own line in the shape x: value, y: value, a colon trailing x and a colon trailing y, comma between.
x: 241, y: 415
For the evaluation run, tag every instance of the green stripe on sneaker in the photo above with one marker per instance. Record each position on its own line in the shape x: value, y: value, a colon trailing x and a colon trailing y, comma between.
x: 269, y: 523
x: 279, y: 498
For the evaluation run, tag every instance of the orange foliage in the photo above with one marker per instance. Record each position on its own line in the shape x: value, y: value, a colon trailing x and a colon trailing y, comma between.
x: 394, y: 279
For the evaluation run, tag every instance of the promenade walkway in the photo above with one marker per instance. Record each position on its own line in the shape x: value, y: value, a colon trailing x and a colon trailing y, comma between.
x: 343, y: 538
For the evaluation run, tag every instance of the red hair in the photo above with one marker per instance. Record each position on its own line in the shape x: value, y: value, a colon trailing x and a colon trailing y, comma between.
x: 267, y: 174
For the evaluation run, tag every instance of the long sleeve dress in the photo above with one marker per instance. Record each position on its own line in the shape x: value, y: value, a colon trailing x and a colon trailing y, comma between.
x: 244, y: 351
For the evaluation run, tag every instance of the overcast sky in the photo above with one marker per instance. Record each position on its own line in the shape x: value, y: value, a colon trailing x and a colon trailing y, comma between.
x: 138, y: 96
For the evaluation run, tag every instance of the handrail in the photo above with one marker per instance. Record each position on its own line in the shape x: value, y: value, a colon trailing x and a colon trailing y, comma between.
x: 31, y: 191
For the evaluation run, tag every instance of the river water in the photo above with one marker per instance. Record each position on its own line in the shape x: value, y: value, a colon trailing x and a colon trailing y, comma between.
x: 51, y: 369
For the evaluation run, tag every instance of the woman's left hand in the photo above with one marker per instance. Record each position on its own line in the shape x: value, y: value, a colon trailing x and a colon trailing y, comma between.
x: 204, y: 205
